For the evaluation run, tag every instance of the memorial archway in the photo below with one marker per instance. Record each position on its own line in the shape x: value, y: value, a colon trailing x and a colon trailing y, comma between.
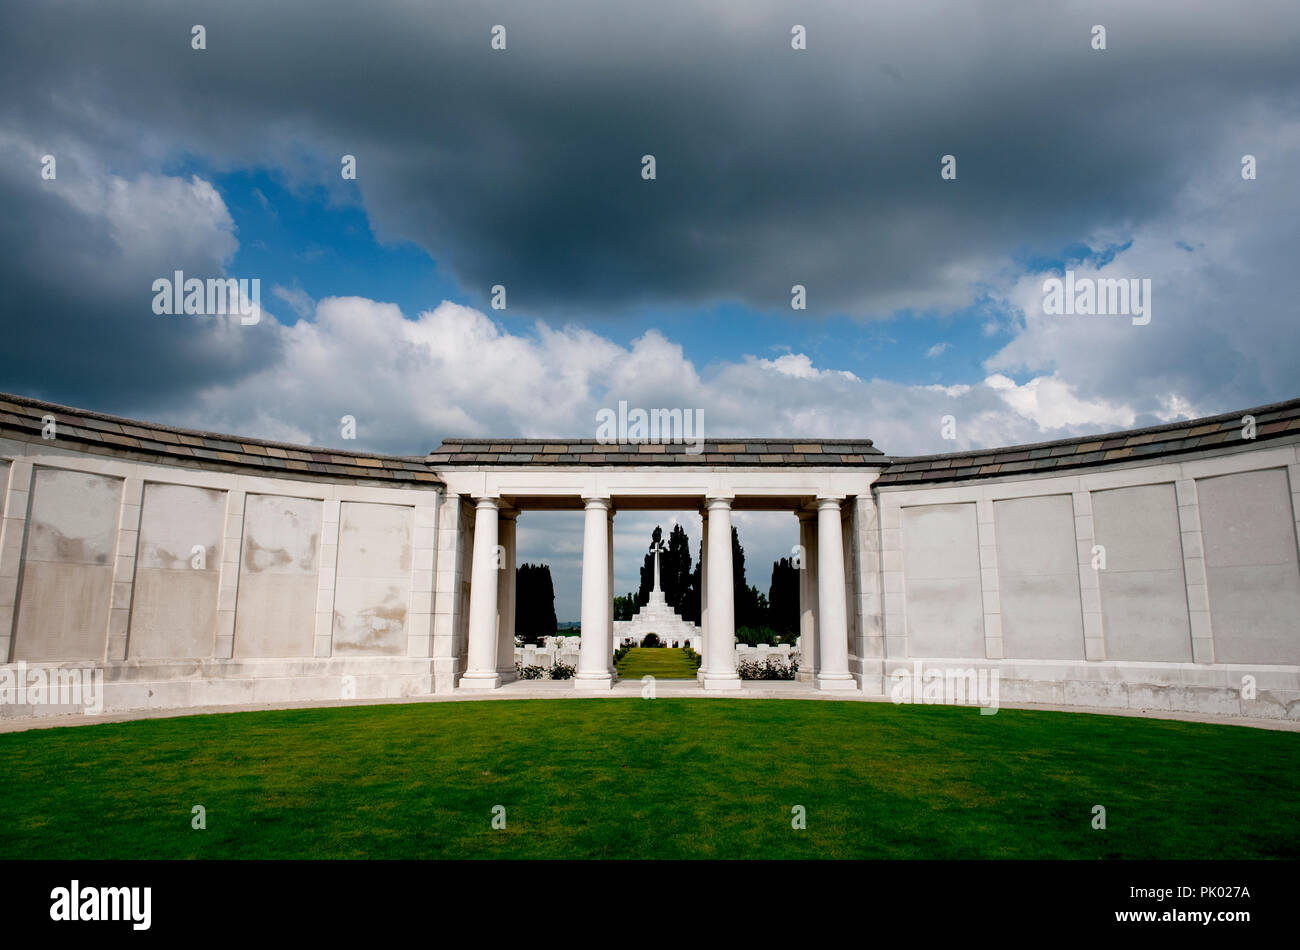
x: 520, y: 476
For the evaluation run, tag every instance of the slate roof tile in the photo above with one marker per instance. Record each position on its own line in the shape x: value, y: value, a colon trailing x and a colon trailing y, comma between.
x: 1277, y: 420
x: 101, y: 434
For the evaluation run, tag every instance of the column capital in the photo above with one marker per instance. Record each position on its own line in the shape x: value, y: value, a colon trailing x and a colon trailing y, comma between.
x: 487, y: 501
x: 591, y: 502
x: 718, y: 501
x: 805, y: 514
x: 829, y: 501
x: 508, y: 514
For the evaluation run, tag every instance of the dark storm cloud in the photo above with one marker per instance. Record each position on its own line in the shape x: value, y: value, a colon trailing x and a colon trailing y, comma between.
x: 522, y: 167
x: 775, y: 166
x: 79, y: 258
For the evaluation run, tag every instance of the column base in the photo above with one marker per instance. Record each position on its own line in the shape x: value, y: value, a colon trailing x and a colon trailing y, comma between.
x: 722, y: 681
x: 603, y: 681
x: 507, y: 676
x: 480, y: 681
x: 837, y: 681
x: 805, y: 676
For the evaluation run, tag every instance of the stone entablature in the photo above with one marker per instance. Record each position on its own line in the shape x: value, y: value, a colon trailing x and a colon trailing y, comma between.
x: 782, y: 453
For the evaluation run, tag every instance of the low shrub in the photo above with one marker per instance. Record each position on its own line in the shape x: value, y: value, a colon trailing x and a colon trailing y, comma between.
x: 563, y: 671
x: 773, y: 669
x: 531, y: 672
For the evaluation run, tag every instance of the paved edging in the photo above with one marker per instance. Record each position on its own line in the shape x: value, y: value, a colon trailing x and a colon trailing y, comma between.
x: 664, y: 689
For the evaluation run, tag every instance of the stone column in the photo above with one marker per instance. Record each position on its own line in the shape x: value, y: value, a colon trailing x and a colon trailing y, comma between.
x: 327, y: 576
x: 891, y: 575
x: 610, y: 590
x: 704, y: 595
x: 833, y: 635
x: 990, y: 584
x: 506, y: 599
x: 12, y: 531
x: 1094, y: 639
x: 721, y: 644
x: 424, y: 543
x: 448, y: 608
x: 871, y: 631
x: 481, y: 665
x: 228, y: 586
x: 128, y: 533
x: 594, y: 659
x: 848, y: 541
x: 1194, y: 576
x: 807, y: 596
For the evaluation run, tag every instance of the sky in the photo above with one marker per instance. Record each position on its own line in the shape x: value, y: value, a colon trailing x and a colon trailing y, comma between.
x: 774, y: 167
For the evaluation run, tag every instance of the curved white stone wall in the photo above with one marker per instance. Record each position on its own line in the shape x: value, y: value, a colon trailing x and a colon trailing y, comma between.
x: 1168, y: 584
x: 197, y: 582
x: 192, y: 588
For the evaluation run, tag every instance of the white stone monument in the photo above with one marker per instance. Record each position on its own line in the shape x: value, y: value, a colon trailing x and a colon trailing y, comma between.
x: 658, y: 618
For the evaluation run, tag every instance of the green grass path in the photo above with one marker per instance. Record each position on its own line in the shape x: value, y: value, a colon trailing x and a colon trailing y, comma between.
x: 633, y: 778
x: 665, y: 663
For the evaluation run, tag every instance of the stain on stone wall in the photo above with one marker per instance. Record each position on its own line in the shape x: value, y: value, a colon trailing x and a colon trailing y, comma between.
x: 67, y: 573
x: 275, y: 612
x: 174, y: 610
x: 373, y: 580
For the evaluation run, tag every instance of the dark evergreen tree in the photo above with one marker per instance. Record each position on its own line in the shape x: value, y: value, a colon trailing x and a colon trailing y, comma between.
x: 745, y: 597
x: 783, y: 597
x: 691, y: 602
x: 675, y: 568
x: 534, y: 602
x: 751, y: 606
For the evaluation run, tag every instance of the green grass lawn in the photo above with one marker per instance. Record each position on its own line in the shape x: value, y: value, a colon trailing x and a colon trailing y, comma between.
x: 665, y: 663
x: 631, y: 778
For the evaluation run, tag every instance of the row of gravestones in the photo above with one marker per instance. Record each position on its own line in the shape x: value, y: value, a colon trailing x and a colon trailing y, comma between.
x: 545, y: 654
x: 693, y: 643
x: 567, y: 648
